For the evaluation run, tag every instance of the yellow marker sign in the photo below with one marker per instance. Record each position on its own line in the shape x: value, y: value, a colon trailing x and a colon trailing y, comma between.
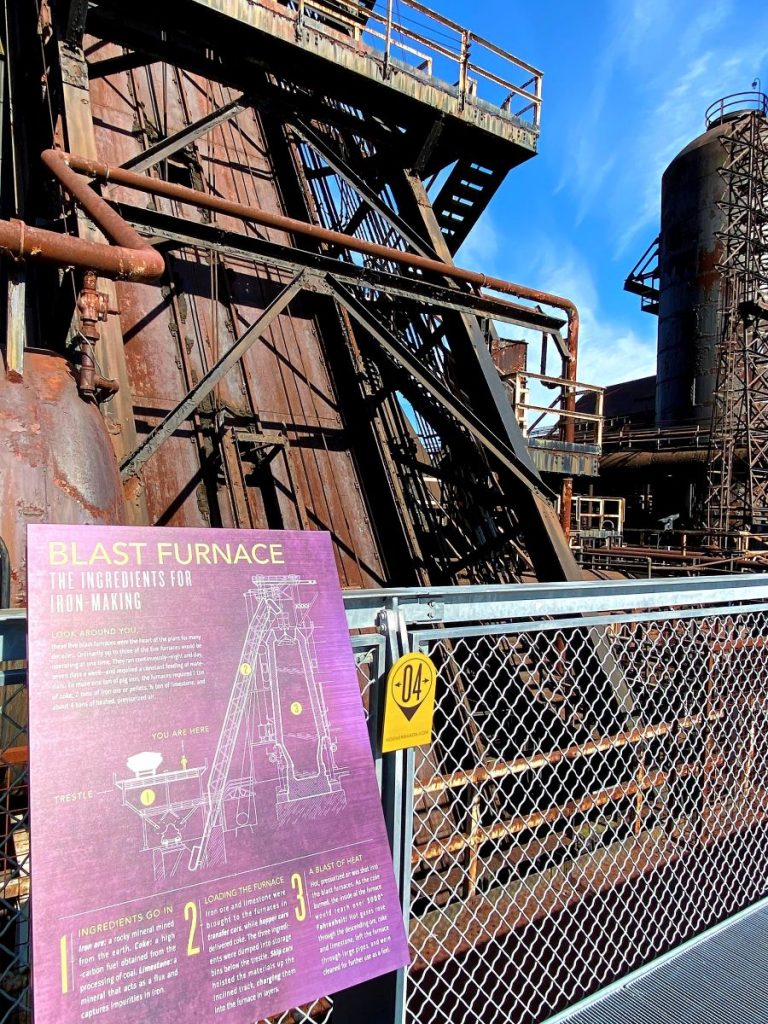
x: 296, y: 708
x: 410, y: 703
x: 147, y: 797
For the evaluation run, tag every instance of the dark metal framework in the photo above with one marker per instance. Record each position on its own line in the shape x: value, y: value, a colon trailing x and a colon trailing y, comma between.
x: 414, y: 375
x: 442, y: 468
x: 643, y: 279
x: 737, y: 467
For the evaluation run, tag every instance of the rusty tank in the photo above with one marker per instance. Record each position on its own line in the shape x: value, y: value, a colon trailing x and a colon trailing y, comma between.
x: 690, y: 251
x: 56, y: 459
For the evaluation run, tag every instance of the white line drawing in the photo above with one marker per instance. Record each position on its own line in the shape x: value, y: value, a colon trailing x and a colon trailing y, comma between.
x: 170, y: 805
x: 276, y: 718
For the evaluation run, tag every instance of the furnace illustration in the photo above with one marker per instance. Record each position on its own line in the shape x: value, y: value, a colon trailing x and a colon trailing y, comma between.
x: 275, y: 760
x: 171, y: 805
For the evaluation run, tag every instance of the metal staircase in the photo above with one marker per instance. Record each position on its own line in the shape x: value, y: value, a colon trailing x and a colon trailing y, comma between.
x: 468, y: 189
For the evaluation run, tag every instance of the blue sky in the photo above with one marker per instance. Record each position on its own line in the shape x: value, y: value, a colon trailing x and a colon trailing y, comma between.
x: 626, y: 83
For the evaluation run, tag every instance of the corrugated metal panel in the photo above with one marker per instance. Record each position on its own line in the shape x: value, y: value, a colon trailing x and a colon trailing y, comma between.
x: 719, y: 978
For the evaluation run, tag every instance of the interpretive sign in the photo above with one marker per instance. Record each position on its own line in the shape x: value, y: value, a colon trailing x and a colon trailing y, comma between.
x: 208, y: 840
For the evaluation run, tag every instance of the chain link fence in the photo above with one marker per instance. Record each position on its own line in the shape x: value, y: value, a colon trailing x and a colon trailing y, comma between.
x: 568, y: 830
x: 14, y: 823
x: 15, y: 1008
x: 595, y: 794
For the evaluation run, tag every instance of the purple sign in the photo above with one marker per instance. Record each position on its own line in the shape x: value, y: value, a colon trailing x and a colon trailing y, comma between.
x: 208, y: 840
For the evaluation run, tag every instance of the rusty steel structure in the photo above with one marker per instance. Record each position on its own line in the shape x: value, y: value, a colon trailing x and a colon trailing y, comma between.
x: 737, y: 467
x: 254, y: 276
x: 693, y: 465
x: 228, y: 231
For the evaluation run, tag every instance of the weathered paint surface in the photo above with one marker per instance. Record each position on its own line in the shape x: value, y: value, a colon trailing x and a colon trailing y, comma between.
x: 175, y: 333
x: 689, y: 289
x: 56, y: 461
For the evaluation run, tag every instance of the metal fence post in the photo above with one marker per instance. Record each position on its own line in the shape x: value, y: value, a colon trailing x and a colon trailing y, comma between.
x: 382, y: 1000
x: 388, y: 42
x: 463, y: 67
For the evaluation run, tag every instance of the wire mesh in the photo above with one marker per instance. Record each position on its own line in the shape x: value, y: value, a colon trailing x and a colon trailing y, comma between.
x: 14, y: 823
x: 593, y: 797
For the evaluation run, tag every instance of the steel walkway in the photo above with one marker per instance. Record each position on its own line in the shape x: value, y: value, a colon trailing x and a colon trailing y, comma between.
x: 717, y: 978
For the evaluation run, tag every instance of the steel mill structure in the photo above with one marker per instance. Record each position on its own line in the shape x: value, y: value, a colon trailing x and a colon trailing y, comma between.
x: 227, y: 242
x: 241, y: 285
x: 696, y: 461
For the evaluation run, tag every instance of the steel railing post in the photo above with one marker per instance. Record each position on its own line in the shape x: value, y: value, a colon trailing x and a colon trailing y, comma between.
x: 388, y: 41
x: 382, y: 1000
x: 463, y: 67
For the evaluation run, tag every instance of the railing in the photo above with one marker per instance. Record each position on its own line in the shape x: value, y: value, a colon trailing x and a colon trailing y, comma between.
x: 594, y: 795
x: 414, y: 39
x: 734, y: 104
x: 596, y: 519
x: 643, y: 279
x: 550, y: 421
x: 626, y: 435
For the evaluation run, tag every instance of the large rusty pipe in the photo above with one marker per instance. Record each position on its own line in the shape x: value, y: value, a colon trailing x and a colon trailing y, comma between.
x: 636, y: 461
x: 114, y: 261
x: 100, y: 212
x: 130, y: 258
x: 183, y: 194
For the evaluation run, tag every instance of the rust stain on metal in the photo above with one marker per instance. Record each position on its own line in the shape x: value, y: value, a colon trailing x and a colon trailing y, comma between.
x: 55, y: 455
x: 709, y: 263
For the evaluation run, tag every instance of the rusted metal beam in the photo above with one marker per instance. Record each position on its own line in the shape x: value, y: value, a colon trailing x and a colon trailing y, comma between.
x: 16, y: 325
x: 232, y: 244
x: 502, y: 770
x: 133, y: 463
x: 425, y: 264
x: 115, y: 65
x: 103, y: 216
x: 458, y: 411
x: 78, y: 128
x: 164, y: 148
x: 25, y: 242
x: 130, y: 258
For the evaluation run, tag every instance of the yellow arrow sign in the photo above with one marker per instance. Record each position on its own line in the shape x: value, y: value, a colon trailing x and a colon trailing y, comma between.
x: 410, y: 703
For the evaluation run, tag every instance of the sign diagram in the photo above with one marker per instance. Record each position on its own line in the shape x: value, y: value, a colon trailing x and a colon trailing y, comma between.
x: 276, y: 718
x: 208, y: 831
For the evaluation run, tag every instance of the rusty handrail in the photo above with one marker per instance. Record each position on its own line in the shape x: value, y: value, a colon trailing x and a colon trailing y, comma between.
x: 377, y: 22
x: 734, y: 104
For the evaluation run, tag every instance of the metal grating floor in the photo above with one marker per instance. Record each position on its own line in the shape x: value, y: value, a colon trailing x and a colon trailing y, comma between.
x: 718, y: 979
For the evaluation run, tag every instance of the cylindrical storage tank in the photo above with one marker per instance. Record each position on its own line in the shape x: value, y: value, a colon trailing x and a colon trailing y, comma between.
x: 57, y: 464
x: 690, y: 251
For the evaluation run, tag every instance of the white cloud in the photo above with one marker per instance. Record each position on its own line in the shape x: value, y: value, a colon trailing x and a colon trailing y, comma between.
x: 481, y: 247
x: 666, y: 63
x: 609, y: 351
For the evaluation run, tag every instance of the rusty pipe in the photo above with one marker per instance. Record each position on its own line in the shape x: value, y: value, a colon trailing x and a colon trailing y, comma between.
x: 130, y: 258
x: 114, y: 261
x: 183, y: 194
x: 638, y: 460
x: 100, y: 212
